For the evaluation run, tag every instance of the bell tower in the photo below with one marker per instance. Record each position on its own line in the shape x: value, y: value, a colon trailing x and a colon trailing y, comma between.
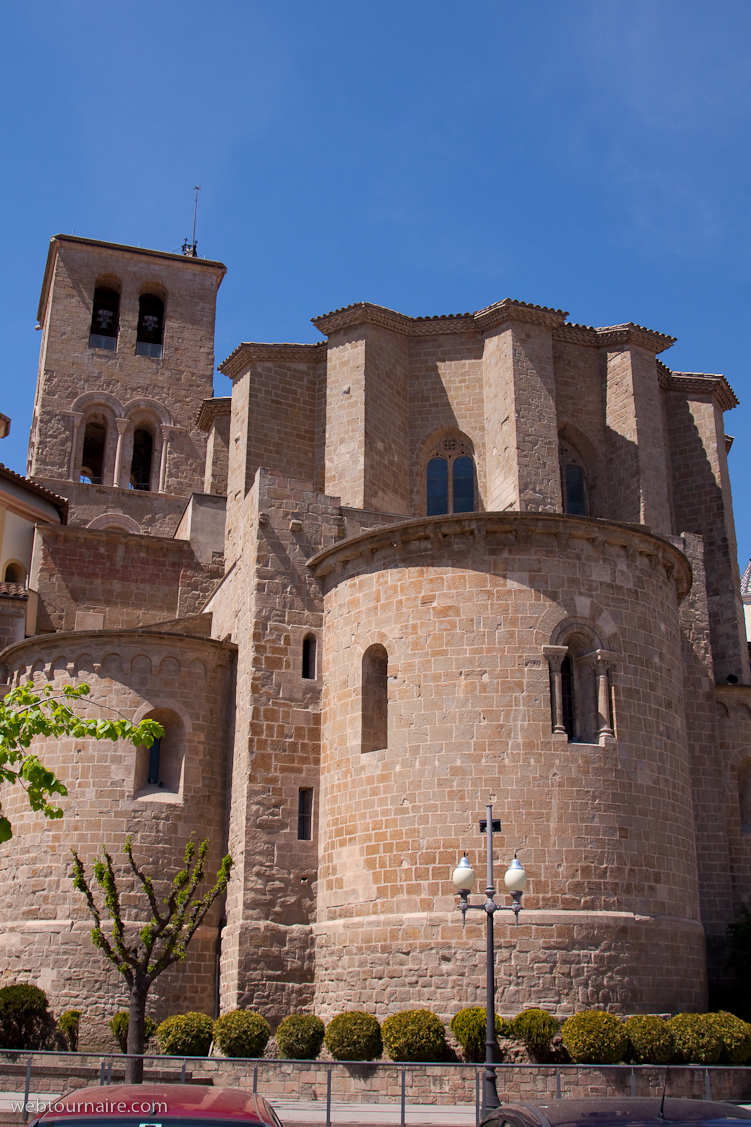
x: 127, y: 359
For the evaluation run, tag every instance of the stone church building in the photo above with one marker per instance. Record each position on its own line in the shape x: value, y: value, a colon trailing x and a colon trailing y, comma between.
x: 423, y: 564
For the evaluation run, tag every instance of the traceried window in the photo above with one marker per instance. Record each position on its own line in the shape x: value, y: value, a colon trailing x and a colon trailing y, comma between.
x: 140, y: 466
x: 104, y: 319
x: 92, y: 458
x: 150, y: 326
x: 450, y: 478
x: 375, y: 699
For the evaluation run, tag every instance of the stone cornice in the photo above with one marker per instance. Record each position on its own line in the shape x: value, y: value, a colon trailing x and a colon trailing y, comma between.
x: 470, y: 531
x: 621, y: 336
x: 211, y: 408
x: 68, y: 641
x: 365, y: 313
x: 249, y: 351
x: 615, y: 336
x: 502, y: 312
x: 704, y: 383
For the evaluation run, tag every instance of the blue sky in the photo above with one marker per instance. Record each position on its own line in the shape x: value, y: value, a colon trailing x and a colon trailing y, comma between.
x: 591, y: 155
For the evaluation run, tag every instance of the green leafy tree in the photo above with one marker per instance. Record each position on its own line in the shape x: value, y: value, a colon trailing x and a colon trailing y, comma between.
x: 25, y: 715
x: 161, y: 941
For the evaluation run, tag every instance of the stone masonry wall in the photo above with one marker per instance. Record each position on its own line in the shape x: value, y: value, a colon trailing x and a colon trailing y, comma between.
x: 605, y: 831
x: 127, y: 580
x: 445, y: 394
x: 45, y: 931
x: 268, y: 604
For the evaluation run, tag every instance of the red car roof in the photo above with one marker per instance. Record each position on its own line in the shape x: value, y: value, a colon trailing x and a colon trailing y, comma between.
x: 199, y: 1101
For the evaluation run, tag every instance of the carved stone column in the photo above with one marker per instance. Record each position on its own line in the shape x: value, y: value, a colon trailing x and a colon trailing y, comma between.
x: 166, y: 438
x: 555, y: 656
x: 122, y: 426
x: 603, y: 664
x: 76, y: 416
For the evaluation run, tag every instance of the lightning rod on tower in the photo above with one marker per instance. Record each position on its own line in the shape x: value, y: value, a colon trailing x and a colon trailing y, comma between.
x: 189, y: 249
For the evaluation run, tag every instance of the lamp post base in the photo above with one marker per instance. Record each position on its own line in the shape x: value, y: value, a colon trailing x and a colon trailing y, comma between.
x: 490, y: 1099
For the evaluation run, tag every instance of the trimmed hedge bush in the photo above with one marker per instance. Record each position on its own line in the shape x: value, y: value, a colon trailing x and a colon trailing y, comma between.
x: 300, y: 1036
x: 414, y: 1035
x: 536, y: 1028
x: 241, y: 1033
x: 25, y: 1022
x: 650, y: 1038
x: 119, y: 1026
x: 594, y: 1037
x: 354, y: 1036
x: 735, y: 1035
x: 185, y: 1035
x: 697, y: 1038
x: 68, y: 1024
x: 468, y: 1026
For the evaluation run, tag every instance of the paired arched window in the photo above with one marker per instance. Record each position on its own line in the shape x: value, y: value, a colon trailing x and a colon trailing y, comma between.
x: 309, y: 658
x: 450, y: 485
x: 574, y: 485
x: 141, y: 462
x: 580, y: 688
x: 150, y: 326
x: 375, y: 699
x: 104, y: 319
x: 92, y: 457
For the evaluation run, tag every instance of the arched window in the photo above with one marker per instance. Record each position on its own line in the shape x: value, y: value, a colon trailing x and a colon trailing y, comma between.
x: 159, y: 768
x: 450, y: 478
x: 150, y: 326
x: 13, y: 573
x: 92, y: 458
x: 104, y: 319
x: 309, y: 658
x: 375, y: 699
x: 744, y: 795
x: 573, y: 481
x: 140, y: 466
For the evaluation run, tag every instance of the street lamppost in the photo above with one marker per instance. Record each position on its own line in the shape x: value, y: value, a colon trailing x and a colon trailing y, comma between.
x: 515, y: 880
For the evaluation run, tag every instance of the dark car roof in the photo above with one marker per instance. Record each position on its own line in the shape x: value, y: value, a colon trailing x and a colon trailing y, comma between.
x: 199, y: 1101
x: 603, y: 1110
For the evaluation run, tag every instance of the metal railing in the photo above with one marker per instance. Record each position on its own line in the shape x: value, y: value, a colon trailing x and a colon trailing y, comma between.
x: 49, y: 1062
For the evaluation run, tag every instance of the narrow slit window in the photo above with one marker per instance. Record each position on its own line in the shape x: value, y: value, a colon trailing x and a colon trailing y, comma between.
x: 463, y: 473
x: 305, y: 814
x: 150, y: 326
x: 92, y: 459
x: 155, y: 752
x: 438, y: 487
x: 104, y: 319
x: 309, y: 658
x: 575, y: 493
x: 375, y: 699
x: 140, y: 467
